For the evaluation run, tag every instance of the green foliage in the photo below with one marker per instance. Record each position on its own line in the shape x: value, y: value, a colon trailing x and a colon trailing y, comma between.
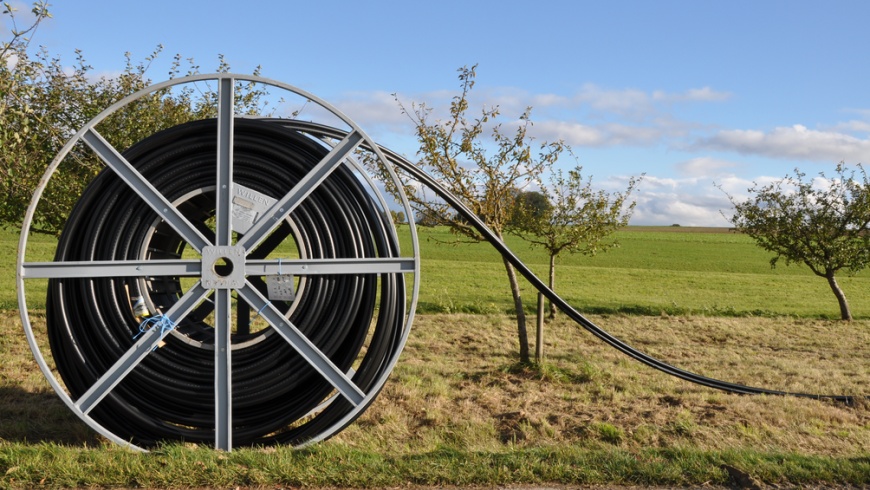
x: 484, y: 173
x: 577, y: 218
x: 826, y: 228
x: 527, y: 204
x: 398, y: 217
x: 609, y: 433
x: 44, y: 102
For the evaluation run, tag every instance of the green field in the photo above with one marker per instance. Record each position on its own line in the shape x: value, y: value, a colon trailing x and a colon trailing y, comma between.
x: 655, y: 270
x: 676, y: 271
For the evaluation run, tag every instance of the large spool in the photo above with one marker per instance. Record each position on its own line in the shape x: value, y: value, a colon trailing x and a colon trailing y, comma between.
x: 234, y: 281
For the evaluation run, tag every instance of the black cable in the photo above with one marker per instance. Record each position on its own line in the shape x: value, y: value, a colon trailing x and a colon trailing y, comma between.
x: 416, y: 173
x: 170, y: 395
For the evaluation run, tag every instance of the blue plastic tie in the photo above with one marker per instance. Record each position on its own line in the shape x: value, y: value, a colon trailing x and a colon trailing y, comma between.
x: 157, y: 321
x: 262, y: 308
x: 251, y: 321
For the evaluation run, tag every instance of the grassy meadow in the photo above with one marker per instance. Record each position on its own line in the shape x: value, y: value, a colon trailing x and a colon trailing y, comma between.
x: 671, y: 270
x: 460, y: 410
x: 655, y: 270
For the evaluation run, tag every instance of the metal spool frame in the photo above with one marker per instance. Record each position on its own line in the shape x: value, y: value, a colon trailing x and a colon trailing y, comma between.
x: 224, y: 267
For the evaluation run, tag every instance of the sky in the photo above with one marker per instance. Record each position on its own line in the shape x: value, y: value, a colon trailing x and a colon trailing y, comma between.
x: 703, y: 98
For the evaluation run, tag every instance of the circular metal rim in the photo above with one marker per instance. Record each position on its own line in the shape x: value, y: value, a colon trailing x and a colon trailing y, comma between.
x: 220, y: 78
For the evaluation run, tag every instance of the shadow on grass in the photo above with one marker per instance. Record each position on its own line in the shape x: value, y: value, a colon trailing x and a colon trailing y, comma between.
x: 31, y: 417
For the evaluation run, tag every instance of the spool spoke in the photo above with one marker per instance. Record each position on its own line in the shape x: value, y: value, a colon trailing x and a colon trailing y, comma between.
x: 302, y: 345
x: 146, y: 343
x: 223, y: 370
x: 111, y: 268
x: 223, y: 238
x: 144, y: 189
x: 313, y: 267
x: 281, y: 209
x: 223, y: 211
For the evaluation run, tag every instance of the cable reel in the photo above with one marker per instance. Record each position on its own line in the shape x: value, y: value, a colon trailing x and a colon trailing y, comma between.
x: 235, y: 281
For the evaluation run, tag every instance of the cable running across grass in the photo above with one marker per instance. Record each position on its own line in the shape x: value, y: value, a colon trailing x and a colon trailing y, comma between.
x: 412, y: 170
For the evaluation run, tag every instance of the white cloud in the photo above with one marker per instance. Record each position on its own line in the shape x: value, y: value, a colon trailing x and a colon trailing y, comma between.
x: 372, y: 108
x: 687, y: 202
x: 549, y: 100
x: 573, y: 133
x: 854, y: 126
x: 610, y: 117
x: 11, y: 60
x: 669, y: 209
x: 626, y: 135
x: 864, y: 113
x: 704, y: 94
x: 601, y: 135
x: 795, y: 142
x: 704, y: 167
x: 598, y: 101
x: 626, y: 102
x: 696, y: 194
x: 635, y: 103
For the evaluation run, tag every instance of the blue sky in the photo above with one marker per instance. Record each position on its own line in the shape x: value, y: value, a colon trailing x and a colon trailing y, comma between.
x: 690, y: 93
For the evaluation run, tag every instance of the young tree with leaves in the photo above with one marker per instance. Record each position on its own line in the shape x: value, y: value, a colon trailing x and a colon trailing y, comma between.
x: 826, y: 227
x: 577, y: 219
x: 484, y: 172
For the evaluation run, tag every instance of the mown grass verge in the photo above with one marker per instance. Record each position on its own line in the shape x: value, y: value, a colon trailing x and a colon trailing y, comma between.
x: 337, y: 465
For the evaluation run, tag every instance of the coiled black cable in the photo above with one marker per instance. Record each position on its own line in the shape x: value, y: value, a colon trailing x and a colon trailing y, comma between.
x: 356, y: 320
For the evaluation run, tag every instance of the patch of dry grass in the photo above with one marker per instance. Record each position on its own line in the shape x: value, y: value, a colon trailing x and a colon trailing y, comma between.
x: 458, y: 384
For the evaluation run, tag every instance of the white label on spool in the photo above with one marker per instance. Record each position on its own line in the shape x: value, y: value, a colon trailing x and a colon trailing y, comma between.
x: 281, y: 287
x: 248, y: 205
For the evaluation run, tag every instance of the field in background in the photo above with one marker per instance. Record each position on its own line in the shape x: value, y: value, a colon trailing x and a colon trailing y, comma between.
x: 655, y: 270
x: 672, y: 270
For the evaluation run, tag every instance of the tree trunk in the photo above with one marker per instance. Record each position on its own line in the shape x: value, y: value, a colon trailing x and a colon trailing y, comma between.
x: 522, y: 333
x: 552, y: 284
x: 845, y: 314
